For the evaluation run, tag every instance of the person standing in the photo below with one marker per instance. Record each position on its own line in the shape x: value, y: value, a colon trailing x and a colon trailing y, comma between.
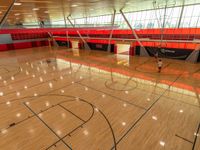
x: 160, y: 64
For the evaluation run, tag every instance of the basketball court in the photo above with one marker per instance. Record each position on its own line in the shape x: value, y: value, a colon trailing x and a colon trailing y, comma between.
x: 67, y: 88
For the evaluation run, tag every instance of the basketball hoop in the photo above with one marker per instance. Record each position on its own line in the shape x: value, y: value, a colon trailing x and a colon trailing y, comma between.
x: 163, y: 17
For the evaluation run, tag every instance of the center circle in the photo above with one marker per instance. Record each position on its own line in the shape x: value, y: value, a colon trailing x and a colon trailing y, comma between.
x: 126, y: 85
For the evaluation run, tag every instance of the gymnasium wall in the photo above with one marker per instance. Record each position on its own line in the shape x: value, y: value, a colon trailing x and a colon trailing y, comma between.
x: 27, y: 38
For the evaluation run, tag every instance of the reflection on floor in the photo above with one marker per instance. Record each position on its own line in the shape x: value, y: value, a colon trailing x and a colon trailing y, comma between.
x: 89, y: 100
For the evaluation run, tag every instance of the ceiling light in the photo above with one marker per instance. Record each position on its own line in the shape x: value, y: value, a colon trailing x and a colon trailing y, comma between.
x: 1, y: 93
x: 74, y: 5
x: 18, y: 115
x: 123, y: 123
x: 35, y: 94
x: 17, y: 14
x: 35, y: 8
x: 154, y: 118
x: 59, y: 132
x: 181, y: 111
x: 46, y: 12
x: 4, y: 131
x: 17, y: 4
x: 85, y: 132
x: 8, y: 103
x: 96, y: 109
x: 162, y: 143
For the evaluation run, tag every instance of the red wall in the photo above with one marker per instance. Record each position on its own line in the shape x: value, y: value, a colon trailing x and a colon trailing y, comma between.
x: 169, y: 33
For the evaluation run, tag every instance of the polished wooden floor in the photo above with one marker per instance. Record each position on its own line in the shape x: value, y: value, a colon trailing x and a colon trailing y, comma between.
x: 88, y: 100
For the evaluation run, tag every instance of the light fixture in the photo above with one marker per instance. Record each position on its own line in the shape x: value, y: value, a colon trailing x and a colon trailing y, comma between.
x: 8, y: 103
x: 41, y: 79
x: 17, y: 14
x: 162, y: 143
x: 59, y: 132
x: 35, y: 94
x: 17, y: 4
x: 85, y: 132
x: 46, y: 12
x: 50, y: 85
x: 63, y: 115
x: 4, y: 131
x: 1, y: 93
x: 47, y: 104
x: 96, y: 109
x: 123, y: 123
x: 181, y: 111
x: 154, y: 118
x: 35, y: 9
x: 18, y: 115
x: 40, y: 115
x: 18, y: 93
x: 74, y: 5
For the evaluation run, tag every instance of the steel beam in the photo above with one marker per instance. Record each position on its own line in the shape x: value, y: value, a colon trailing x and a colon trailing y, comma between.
x: 63, y: 11
x: 181, y: 15
x: 111, y: 33
x: 163, y: 27
x: 87, y: 46
x: 6, y: 14
x: 133, y: 31
x: 143, y: 40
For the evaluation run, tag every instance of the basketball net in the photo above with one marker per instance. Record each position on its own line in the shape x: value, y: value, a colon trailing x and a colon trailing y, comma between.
x: 163, y: 17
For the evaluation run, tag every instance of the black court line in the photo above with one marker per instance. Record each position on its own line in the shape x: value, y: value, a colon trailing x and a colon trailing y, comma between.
x: 10, y: 71
x: 121, y: 90
x: 16, y: 72
x: 37, y: 75
x: 110, y: 126
x: 68, y: 134
x: 33, y: 97
x: 183, y: 138
x: 71, y: 113
x: 139, y: 119
x: 47, y: 126
x: 117, y: 98
x: 195, y: 140
x: 5, y: 70
x: 40, y: 83
x: 27, y: 118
